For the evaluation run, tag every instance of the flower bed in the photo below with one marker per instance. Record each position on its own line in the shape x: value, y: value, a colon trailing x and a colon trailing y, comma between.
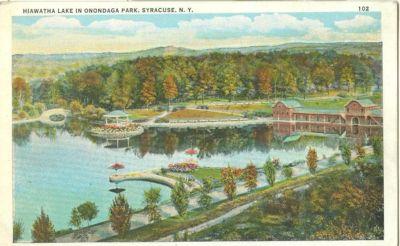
x: 114, y: 130
x: 183, y: 167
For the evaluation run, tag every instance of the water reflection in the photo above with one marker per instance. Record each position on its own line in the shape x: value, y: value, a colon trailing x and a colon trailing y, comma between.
x: 168, y: 141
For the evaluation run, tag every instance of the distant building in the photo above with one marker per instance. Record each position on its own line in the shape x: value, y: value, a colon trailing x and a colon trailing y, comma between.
x: 357, y: 118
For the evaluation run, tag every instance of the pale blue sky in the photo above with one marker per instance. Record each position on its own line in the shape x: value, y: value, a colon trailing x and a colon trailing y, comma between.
x: 189, y: 30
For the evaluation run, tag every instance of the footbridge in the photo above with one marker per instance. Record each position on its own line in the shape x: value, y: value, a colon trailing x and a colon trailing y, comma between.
x: 149, y: 177
x: 45, y: 117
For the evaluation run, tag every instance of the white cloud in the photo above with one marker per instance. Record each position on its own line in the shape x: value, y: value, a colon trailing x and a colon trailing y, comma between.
x: 115, y: 25
x: 128, y: 35
x: 357, y: 23
x: 267, y: 22
x: 236, y: 22
x: 57, y: 22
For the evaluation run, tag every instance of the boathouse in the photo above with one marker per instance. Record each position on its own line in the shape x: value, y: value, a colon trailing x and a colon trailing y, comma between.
x: 357, y: 118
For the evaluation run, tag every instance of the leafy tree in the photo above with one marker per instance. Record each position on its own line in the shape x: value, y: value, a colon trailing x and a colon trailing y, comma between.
x: 229, y: 180
x: 170, y: 89
x: 347, y: 78
x: 43, y: 229
x: 323, y: 76
x: 88, y: 211
x: 148, y: 93
x: 75, y: 219
x: 287, y: 172
x: 152, y: 198
x: 377, y: 146
x: 180, y: 198
x: 206, y: 81
x: 270, y: 172
x: 229, y: 81
x: 18, y: 230
x: 21, y: 91
x: 345, y: 152
x: 264, y: 80
x: 205, y: 199
x: 250, y: 175
x: 312, y: 160
x: 120, y: 215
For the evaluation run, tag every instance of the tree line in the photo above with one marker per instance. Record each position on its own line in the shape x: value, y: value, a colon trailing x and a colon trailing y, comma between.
x: 147, y: 81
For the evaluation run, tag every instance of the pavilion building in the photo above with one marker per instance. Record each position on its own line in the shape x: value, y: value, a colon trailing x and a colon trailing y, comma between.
x: 357, y: 118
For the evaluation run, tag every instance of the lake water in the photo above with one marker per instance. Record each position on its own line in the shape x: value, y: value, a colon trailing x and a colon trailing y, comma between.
x: 59, y: 168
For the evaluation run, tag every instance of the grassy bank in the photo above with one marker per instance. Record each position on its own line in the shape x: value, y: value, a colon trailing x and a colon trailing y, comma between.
x: 195, y: 217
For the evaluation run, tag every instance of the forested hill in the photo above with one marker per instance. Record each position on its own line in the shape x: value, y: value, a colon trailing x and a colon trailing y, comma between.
x: 151, y: 80
x: 32, y: 66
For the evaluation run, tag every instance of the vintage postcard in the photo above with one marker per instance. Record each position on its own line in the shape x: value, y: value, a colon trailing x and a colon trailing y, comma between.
x: 199, y: 122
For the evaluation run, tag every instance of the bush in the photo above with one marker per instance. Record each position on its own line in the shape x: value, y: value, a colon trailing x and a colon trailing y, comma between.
x: 287, y: 172
x: 312, y: 160
x: 270, y: 172
x: 342, y: 94
x: 180, y: 198
x: 40, y: 107
x: 76, y: 107
x: 162, y: 120
x: 100, y: 112
x: 22, y: 114
x: 18, y: 229
x: 61, y: 102
x: 30, y: 109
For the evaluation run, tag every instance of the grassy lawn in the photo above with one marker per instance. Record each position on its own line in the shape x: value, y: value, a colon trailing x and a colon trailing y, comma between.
x: 138, y: 114
x: 195, y: 217
x: 338, y: 103
x: 188, y: 114
x: 241, y: 108
x: 203, y: 172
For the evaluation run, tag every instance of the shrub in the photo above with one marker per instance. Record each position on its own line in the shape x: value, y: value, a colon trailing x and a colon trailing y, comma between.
x: 40, y: 107
x: 205, y: 199
x: 270, y: 172
x: 345, y: 152
x: 180, y: 198
x: 43, y: 229
x: 250, y: 176
x: 287, y: 172
x: 100, y: 112
x: 76, y: 107
x: 377, y: 146
x: 61, y: 102
x: 360, y: 151
x: 342, y: 94
x: 312, y: 160
x: 23, y: 115
x: 18, y: 229
x: 30, y: 109
x: 120, y: 215
x: 229, y: 176
x: 152, y: 198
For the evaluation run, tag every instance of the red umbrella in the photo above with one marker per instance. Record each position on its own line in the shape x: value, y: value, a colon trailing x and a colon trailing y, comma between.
x: 191, y: 151
x: 116, y: 166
